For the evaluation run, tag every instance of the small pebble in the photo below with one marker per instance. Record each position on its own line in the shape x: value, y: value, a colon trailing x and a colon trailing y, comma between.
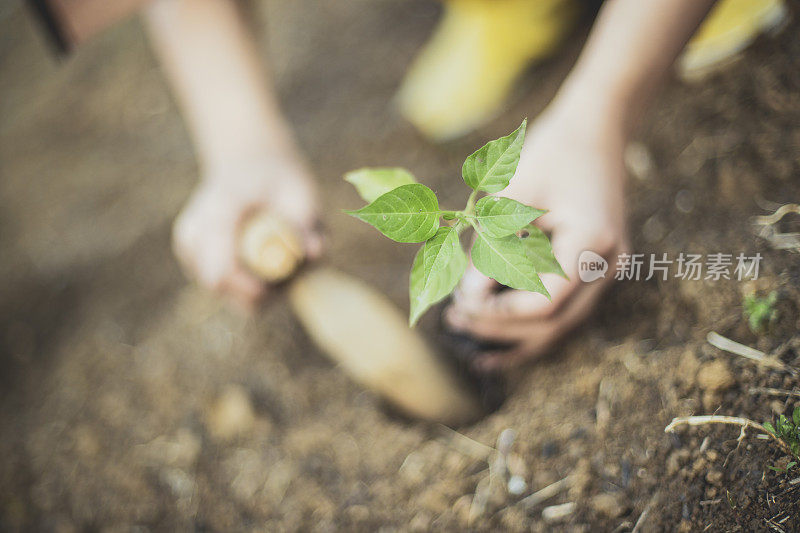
x: 714, y: 477
x: 684, y: 201
x: 638, y: 160
x: 180, y: 483
x: 607, y: 505
x: 676, y: 460
x: 777, y: 407
x: 654, y: 230
x: 505, y: 440
x: 516, y: 485
x: 714, y: 376
x: 556, y: 513
x: 231, y: 415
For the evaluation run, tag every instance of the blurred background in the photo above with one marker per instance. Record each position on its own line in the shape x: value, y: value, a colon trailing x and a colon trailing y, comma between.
x: 131, y: 399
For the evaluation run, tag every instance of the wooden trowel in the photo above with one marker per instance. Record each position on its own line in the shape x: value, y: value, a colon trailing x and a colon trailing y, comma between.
x: 359, y: 328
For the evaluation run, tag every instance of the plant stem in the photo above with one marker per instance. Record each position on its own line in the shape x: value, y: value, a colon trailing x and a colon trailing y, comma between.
x: 470, y: 209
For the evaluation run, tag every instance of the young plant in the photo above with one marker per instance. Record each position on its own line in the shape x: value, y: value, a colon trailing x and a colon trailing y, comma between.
x: 507, y: 247
x: 787, y: 430
x: 783, y: 469
x: 760, y: 312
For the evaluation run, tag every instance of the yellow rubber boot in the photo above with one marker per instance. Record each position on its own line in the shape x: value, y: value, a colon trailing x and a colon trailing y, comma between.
x: 730, y: 27
x: 464, y: 74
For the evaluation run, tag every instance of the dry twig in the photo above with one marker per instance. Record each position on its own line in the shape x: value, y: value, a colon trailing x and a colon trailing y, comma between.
x: 774, y: 218
x: 721, y: 419
x: 727, y: 345
x: 642, y: 518
x: 546, y: 493
x: 773, y: 392
x: 767, y: 229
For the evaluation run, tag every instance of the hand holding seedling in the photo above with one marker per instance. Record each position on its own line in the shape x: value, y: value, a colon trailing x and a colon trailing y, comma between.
x: 573, y: 167
x: 506, y: 247
x: 233, y: 116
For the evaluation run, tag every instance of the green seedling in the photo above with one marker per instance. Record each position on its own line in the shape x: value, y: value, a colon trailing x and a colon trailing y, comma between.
x: 787, y: 430
x: 507, y: 246
x: 760, y: 312
x: 783, y: 470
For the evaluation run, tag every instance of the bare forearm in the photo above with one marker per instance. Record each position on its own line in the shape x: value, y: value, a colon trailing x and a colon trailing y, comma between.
x: 220, y: 83
x: 628, y: 55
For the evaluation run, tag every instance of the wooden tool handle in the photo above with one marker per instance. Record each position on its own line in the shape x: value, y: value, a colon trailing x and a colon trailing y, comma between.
x: 368, y: 336
x: 358, y: 327
x: 270, y: 247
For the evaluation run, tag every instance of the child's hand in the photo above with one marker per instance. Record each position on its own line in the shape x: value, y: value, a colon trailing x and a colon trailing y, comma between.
x: 205, y: 233
x: 572, y: 166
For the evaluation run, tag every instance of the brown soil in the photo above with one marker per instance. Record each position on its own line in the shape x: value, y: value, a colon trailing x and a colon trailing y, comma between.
x: 113, y: 366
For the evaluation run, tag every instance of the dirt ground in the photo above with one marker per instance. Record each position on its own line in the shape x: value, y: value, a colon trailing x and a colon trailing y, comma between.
x: 112, y: 366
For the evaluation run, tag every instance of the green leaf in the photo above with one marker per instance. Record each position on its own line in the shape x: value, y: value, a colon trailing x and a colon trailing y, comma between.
x: 505, y: 260
x: 504, y: 216
x: 796, y: 416
x: 540, y: 253
x: 492, y: 166
x: 438, y: 266
x: 409, y: 213
x: 769, y: 427
x: 374, y: 182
